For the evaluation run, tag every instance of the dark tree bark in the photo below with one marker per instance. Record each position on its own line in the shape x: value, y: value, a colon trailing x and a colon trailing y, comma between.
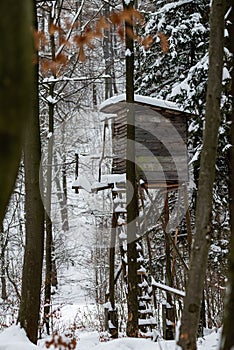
x: 194, y: 290
x: 132, y: 199
x: 16, y: 71
x: 3, y: 245
x: 169, y: 329
x: 49, y: 234
x: 227, y: 342
x: 107, y: 43
x: 33, y: 256
x: 113, y: 313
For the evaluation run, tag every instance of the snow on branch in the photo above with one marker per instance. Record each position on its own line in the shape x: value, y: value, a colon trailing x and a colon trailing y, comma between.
x: 167, y: 288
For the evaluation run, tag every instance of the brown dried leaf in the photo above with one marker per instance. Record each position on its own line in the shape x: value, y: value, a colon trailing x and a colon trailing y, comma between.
x: 129, y: 15
x: 39, y: 38
x: 79, y: 39
x: 138, y: 16
x: 89, y: 34
x: 147, y: 42
x: 73, y: 342
x: 121, y: 33
x: 61, y: 59
x: 54, y: 67
x: 126, y: 16
x: 45, y: 65
x: 98, y: 35
x: 82, y: 56
x: 131, y: 33
x: 115, y: 18
x: 163, y: 42
x: 102, y: 24
x: 53, y: 28
x: 64, y: 41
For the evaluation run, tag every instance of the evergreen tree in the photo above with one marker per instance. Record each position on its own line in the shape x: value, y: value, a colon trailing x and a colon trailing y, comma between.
x: 185, y: 25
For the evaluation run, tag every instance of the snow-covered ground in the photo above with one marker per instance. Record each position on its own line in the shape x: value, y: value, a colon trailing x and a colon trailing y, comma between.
x: 14, y: 338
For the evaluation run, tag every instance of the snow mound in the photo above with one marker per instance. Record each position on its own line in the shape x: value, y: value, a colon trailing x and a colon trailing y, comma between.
x: 14, y: 338
x: 133, y: 344
x: 88, y: 341
x: 209, y: 342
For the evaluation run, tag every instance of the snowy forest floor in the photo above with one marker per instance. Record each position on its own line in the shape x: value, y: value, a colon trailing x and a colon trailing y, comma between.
x: 14, y: 338
x: 76, y: 314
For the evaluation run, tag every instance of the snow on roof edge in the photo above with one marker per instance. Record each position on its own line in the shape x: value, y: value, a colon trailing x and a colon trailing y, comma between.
x: 142, y: 99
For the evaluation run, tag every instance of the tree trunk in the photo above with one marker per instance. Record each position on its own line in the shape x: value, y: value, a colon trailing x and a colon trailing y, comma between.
x: 188, y: 219
x: 194, y: 290
x: 33, y: 256
x: 16, y: 72
x: 132, y: 200
x: 227, y: 341
x: 3, y: 245
x: 169, y: 330
x: 48, y: 222
x: 48, y: 272
x: 112, y: 313
x: 107, y: 43
x: 49, y: 235
x: 61, y: 191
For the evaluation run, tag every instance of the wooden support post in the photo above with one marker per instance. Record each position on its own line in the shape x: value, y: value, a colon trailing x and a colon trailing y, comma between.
x: 169, y: 308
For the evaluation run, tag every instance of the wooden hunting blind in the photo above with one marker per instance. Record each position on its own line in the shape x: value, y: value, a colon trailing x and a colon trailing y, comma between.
x: 160, y: 140
x: 161, y: 162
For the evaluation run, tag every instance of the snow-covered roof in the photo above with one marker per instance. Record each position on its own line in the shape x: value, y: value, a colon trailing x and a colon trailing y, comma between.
x: 119, y: 100
x: 82, y: 182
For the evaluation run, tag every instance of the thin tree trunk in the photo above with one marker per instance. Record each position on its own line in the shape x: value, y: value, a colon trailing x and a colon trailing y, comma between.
x: 48, y: 222
x: 61, y: 192
x: 169, y: 308
x: 188, y: 220
x: 49, y: 236
x: 227, y: 342
x: 194, y: 290
x: 107, y: 56
x: 132, y: 200
x: 3, y: 246
x: 33, y: 256
x: 112, y: 312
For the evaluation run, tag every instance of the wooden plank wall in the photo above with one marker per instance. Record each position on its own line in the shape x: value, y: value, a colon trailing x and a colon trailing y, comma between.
x: 161, y: 137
